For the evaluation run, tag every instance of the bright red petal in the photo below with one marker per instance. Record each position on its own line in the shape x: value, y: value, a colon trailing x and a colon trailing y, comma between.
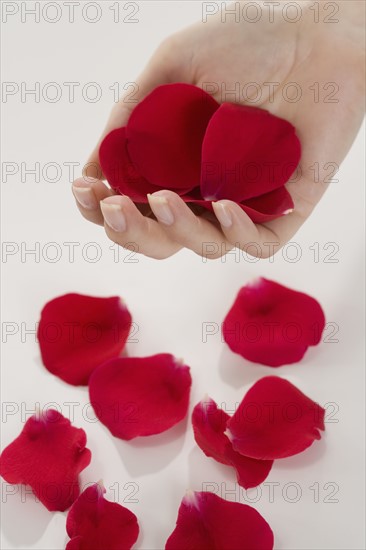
x: 119, y: 169
x: 140, y: 396
x: 48, y: 455
x: 77, y: 333
x: 275, y: 420
x: 206, y: 522
x: 272, y: 324
x: 247, y: 152
x: 94, y: 523
x: 165, y: 134
x: 209, y: 424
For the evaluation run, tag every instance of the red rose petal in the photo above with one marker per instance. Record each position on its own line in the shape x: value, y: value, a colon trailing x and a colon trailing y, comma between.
x: 94, y: 523
x: 209, y: 424
x: 77, y: 333
x: 119, y: 169
x: 48, y: 455
x: 269, y: 206
x: 260, y: 209
x: 75, y: 544
x: 140, y: 396
x: 275, y: 420
x: 165, y: 134
x: 247, y: 152
x: 206, y: 521
x: 272, y: 324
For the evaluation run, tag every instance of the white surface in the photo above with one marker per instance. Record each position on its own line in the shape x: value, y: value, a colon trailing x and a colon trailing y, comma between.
x: 170, y: 301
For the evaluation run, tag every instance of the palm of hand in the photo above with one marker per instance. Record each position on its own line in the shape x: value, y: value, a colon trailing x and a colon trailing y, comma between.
x: 300, y: 72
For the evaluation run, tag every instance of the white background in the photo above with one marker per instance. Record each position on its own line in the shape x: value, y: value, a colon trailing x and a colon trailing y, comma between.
x: 169, y: 300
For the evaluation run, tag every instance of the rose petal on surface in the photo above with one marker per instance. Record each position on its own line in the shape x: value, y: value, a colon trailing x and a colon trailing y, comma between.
x: 272, y: 324
x: 48, y: 455
x: 94, y: 523
x: 77, y: 333
x: 136, y: 396
x: 247, y: 152
x: 209, y: 424
x: 275, y: 420
x: 206, y: 521
x: 165, y: 133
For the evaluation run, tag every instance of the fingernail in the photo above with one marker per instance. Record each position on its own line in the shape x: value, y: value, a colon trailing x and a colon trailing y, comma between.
x: 85, y: 197
x: 161, y: 209
x: 223, y: 214
x: 113, y: 216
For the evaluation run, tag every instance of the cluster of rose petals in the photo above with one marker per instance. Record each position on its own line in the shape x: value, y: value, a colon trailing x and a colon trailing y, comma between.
x: 206, y: 521
x: 180, y: 138
x: 274, y: 420
x: 48, y: 455
x: 136, y: 396
x: 209, y: 426
x: 272, y: 324
x: 77, y: 333
x: 94, y: 523
x: 133, y: 397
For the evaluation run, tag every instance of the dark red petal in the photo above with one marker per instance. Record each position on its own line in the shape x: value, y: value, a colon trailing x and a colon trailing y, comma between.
x: 209, y: 424
x: 272, y: 324
x: 260, y: 209
x: 74, y: 544
x: 165, y: 133
x: 140, y: 396
x: 269, y: 206
x: 77, y: 333
x: 119, y: 169
x: 207, y: 522
x: 94, y: 523
x: 275, y: 420
x: 247, y: 152
x: 48, y: 455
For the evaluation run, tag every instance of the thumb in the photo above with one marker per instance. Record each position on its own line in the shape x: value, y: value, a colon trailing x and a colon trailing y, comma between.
x: 163, y: 68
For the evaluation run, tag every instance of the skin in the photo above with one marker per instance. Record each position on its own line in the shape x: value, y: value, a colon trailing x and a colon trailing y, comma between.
x: 227, y: 52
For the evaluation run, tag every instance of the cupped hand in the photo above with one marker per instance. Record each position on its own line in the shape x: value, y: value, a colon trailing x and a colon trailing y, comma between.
x: 309, y: 73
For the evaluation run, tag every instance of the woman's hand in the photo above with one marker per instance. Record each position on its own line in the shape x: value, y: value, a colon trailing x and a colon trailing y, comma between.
x: 310, y: 73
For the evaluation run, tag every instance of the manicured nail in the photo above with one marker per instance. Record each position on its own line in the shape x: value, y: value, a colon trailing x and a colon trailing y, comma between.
x: 223, y: 214
x: 160, y: 207
x: 85, y: 197
x: 113, y: 216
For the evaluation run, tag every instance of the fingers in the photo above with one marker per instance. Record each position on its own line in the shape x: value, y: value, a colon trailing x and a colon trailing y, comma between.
x: 88, y: 193
x: 259, y: 240
x: 177, y: 226
x: 126, y: 226
x: 161, y: 69
x: 187, y: 229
